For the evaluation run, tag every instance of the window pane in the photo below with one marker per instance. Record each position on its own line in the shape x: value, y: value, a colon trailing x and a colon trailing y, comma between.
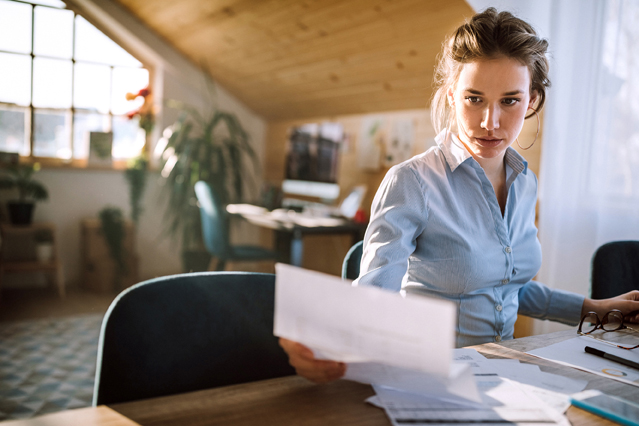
x: 82, y: 125
x: 92, y: 88
x: 52, y: 135
x: 15, y: 27
x: 14, y: 129
x: 128, y: 138
x: 51, y: 83
x: 53, y: 32
x: 127, y: 80
x: 15, y: 79
x: 92, y: 45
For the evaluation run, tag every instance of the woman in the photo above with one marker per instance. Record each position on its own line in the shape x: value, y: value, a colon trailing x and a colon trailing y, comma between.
x: 457, y: 222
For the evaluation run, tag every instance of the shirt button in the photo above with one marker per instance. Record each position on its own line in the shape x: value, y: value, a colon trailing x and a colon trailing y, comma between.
x: 497, y: 338
x: 499, y: 308
x: 505, y: 281
x: 508, y: 249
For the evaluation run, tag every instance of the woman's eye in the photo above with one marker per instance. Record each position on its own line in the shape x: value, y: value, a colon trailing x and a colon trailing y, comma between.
x: 510, y: 101
x: 473, y: 99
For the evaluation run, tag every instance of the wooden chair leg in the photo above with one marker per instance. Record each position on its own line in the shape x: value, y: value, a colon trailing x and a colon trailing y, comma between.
x: 221, y: 265
x: 59, y: 277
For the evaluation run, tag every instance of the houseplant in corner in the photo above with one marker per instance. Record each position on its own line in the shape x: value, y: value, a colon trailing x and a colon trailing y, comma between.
x: 214, y: 149
x: 19, y: 177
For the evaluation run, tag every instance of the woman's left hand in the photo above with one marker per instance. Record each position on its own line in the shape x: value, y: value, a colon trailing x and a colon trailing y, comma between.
x: 627, y: 303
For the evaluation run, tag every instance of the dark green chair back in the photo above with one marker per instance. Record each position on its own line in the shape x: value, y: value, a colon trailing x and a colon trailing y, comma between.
x: 615, y: 269
x: 350, y: 266
x: 215, y: 223
x: 188, y: 332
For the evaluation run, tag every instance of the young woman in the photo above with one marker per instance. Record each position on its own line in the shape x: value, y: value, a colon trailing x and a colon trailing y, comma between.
x: 457, y: 222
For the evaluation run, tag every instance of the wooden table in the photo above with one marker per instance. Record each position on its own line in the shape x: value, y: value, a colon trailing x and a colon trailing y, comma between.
x: 294, y: 401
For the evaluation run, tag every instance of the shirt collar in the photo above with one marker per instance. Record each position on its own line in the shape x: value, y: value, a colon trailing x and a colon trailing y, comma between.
x: 456, y: 153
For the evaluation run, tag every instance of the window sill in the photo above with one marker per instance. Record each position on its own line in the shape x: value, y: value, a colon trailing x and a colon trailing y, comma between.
x: 58, y: 163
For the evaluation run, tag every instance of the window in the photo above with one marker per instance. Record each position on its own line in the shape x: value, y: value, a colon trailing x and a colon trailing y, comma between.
x: 61, y: 78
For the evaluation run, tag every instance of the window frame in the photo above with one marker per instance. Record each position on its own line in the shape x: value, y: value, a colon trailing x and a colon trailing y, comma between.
x: 31, y: 110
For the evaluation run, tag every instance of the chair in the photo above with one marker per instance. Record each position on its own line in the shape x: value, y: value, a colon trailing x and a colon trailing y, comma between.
x: 615, y: 269
x: 350, y: 266
x: 188, y: 332
x: 215, y: 229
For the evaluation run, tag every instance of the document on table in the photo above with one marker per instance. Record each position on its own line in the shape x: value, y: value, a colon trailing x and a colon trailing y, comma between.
x: 384, y: 338
x: 503, y: 401
x: 571, y: 353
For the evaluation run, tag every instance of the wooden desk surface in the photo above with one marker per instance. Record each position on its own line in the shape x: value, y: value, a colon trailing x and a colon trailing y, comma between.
x: 295, y: 401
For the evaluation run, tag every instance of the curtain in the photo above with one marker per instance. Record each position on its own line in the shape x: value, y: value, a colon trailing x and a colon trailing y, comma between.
x: 589, y: 177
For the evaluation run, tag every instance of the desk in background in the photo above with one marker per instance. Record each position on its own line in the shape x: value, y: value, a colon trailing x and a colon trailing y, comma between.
x: 290, y: 228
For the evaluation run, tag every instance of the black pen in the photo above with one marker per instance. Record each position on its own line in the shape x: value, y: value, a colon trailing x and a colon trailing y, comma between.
x: 612, y: 357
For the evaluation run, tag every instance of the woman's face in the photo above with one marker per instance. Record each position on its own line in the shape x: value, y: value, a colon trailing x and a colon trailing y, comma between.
x: 490, y: 101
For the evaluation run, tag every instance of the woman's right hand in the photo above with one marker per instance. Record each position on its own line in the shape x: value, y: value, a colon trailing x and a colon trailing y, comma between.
x: 305, y: 364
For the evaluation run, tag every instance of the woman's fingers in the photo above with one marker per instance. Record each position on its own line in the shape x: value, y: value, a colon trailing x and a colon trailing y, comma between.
x: 305, y: 364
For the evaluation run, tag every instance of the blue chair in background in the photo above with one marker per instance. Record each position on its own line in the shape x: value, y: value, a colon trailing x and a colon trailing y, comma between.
x: 350, y: 266
x: 188, y: 332
x: 215, y: 229
x: 615, y: 269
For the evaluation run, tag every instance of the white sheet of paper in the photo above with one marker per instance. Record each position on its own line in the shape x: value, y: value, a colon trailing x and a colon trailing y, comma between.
x: 571, y: 353
x: 363, y: 324
x: 502, y: 401
x: 459, y: 384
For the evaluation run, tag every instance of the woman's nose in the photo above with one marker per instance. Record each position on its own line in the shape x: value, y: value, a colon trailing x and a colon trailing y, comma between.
x: 490, y: 119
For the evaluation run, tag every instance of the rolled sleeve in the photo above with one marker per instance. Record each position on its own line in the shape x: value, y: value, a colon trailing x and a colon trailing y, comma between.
x: 539, y: 301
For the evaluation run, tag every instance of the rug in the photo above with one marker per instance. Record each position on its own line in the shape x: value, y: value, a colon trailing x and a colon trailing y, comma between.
x: 47, y: 365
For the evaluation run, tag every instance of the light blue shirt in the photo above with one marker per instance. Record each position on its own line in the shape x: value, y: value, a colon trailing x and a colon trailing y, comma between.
x: 436, y: 228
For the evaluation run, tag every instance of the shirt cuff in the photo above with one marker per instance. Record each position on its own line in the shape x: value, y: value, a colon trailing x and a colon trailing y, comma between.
x: 565, y: 307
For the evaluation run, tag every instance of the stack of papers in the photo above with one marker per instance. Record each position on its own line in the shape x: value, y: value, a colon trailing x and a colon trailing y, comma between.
x: 510, y: 393
x: 394, y: 344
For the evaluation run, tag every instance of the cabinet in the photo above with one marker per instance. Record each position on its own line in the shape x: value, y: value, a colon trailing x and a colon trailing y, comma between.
x: 18, y: 253
x: 99, y: 271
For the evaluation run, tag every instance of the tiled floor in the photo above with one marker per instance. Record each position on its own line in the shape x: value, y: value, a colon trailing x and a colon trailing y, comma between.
x: 48, y: 349
x: 47, y: 365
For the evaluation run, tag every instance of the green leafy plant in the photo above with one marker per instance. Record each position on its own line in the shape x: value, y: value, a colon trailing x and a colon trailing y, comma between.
x: 214, y: 149
x: 135, y: 175
x: 19, y: 177
x: 112, y: 226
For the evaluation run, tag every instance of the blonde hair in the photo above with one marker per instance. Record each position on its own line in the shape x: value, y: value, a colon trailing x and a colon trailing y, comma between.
x: 489, y: 34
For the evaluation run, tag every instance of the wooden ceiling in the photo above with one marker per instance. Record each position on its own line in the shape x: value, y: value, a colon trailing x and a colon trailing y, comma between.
x: 309, y: 58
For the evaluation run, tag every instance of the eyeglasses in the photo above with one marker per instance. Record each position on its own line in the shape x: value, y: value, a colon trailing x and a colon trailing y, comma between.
x: 611, y: 321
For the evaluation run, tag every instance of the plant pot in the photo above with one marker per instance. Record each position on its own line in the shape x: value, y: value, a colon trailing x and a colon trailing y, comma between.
x: 44, y: 252
x: 195, y: 261
x: 20, y: 213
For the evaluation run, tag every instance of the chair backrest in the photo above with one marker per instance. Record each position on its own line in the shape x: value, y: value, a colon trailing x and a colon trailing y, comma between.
x: 215, y: 224
x: 350, y: 266
x: 188, y: 332
x: 615, y: 269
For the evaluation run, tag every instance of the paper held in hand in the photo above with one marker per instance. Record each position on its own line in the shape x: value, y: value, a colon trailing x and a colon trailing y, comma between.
x: 404, y: 343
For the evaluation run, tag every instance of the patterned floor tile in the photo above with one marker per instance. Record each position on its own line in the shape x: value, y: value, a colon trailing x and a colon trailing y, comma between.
x: 47, y: 365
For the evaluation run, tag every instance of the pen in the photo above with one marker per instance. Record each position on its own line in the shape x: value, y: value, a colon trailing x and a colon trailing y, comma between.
x: 612, y: 357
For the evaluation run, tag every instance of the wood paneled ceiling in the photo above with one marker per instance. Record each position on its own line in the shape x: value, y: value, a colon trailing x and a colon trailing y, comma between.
x: 308, y: 58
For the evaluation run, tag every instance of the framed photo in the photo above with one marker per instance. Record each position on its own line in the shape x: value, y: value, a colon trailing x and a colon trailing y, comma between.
x: 100, y: 146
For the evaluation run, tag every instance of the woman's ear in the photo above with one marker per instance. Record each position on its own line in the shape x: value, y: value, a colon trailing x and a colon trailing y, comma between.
x: 534, y: 96
x: 451, y: 97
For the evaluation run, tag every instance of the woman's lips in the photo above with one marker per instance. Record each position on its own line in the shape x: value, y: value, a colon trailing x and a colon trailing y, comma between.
x: 488, y: 141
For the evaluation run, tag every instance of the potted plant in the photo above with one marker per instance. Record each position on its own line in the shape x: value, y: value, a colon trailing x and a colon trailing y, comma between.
x: 43, y: 239
x: 19, y: 177
x: 214, y: 149
x: 112, y: 226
